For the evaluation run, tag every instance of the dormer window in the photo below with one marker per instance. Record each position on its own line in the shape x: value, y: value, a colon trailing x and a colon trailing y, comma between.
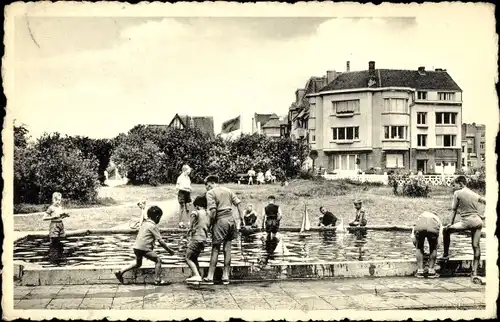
x: 421, y: 95
x: 443, y: 96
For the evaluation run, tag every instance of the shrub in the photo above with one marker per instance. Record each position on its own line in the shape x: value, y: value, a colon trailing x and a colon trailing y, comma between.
x: 416, y: 189
x: 49, y: 165
x: 306, y: 174
x: 477, y: 183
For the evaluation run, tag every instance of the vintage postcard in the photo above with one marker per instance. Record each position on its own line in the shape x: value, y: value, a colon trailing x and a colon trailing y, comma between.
x: 257, y: 161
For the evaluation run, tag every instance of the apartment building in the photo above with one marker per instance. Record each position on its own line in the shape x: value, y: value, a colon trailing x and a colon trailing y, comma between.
x: 473, y: 146
x: 387, y: 119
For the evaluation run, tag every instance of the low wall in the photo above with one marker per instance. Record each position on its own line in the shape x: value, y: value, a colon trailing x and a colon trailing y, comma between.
x: 35, y: 276
x: 432, y: 180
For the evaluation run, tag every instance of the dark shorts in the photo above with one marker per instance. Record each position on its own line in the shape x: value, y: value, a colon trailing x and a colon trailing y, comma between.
x: 195, y: 247
x: 56, y: 229
x: 184, y: 197
x: 149, y: 254
x: 272, y: 225
x: 224, y: 229
x: 431, y: 236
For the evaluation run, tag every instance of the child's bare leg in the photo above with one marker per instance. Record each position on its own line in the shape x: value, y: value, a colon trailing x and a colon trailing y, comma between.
x: 213, y: 261
x: 476, y: 237
x: 192, y: 262
x: 433, y: 253
x: 420, y: 258
x: 227, y: 259
x: 133, y: 265
x: 152, y: 256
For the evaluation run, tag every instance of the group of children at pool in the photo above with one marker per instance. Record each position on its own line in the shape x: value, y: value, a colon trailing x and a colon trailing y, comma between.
x: 213, y: 214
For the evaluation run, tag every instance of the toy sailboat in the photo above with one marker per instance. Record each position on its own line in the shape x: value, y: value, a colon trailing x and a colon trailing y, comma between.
x: 306, y: 224
x: 340, y: 227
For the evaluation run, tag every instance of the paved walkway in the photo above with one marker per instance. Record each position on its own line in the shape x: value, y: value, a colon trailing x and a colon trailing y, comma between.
x: 340, y: 294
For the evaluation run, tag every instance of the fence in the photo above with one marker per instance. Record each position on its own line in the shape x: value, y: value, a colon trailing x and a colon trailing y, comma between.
x: 432, y: 180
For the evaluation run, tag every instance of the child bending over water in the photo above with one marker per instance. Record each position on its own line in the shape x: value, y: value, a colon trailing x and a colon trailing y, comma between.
x: 144, y: 244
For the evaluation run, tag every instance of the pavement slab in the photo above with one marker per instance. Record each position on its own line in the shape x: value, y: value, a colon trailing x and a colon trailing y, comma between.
x: 349, y: 294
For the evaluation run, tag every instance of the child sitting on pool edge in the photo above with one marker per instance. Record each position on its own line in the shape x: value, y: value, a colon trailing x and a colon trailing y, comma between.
x: 249, y: 220
x: 198, y: 235
x: 144, y: 244
x: 360, y: 219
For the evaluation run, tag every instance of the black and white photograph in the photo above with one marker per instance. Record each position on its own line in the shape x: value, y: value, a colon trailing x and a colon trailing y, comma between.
x: 257, y: 161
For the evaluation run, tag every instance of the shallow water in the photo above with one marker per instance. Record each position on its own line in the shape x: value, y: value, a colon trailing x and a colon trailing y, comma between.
x: 116, y: 249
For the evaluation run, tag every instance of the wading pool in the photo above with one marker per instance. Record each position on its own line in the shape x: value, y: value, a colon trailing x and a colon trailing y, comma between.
x: 320, y: 247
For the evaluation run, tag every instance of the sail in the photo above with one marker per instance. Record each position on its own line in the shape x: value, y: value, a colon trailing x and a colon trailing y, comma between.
x: 340, y: 227
x: 306, y: 224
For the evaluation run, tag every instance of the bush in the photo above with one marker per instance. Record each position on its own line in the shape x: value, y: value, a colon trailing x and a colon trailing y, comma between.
x: 49, y: 165
x: 416, y: 189
x: 477, y: 183
x: 363, y: 184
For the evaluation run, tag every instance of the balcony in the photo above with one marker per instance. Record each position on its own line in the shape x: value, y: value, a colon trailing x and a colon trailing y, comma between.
x: 345, y: 114
x: 344, y: 141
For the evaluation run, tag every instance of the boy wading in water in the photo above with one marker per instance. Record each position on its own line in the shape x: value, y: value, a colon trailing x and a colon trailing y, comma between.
x: 272, y: 218
x: 56, y: 228
x: 428, y: 226
x: 360, y: 219
x: 198, y: 234
x: 465, y: 202
x: 184, y: 193
x: 144, y: 244
x: 220, y: 201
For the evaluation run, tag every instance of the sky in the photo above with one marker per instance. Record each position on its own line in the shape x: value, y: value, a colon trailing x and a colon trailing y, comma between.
x: 100, y: 76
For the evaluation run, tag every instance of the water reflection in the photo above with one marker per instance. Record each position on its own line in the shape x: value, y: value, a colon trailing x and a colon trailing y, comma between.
x: 324, y: 246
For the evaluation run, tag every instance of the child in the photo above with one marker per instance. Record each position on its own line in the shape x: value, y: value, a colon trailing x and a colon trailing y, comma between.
x: 251, y: 174
x: 465, y: 202
x: 360, y: 219
x: 198, y: 233
x: 184, y: 193
x: 428, y: 226
x: 260, y: 177
x: 328, y: 219
x: 144, y: 243
x: 272, y: 218
x: 250, y: 217
x: 56, y: 228
x: 135, y: 224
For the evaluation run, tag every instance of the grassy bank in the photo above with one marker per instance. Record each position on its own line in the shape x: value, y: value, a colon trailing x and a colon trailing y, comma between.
x: 381, y: 205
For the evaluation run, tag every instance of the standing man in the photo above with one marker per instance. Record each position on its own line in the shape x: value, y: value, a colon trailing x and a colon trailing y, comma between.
x: 465, y: 202
x: 184, y: 194
x: 220, y: 201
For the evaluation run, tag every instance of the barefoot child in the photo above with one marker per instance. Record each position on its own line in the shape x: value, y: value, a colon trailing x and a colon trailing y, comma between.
x: 428, y: 226
x: 183, y: 187
x: 360, y: 219
x: 465, y: 202
x: 135, y: 224
x: 56, y: 228
x: 144, y: 244
x: 272, y: 218
x: 198, y: 233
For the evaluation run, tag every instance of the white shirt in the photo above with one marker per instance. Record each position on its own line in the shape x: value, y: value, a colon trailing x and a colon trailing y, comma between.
x: 183, y: 182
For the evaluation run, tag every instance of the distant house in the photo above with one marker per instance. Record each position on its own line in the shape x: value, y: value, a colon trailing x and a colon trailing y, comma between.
x: 473, y: 146
x: 204, y: 123
x: 270, y: 125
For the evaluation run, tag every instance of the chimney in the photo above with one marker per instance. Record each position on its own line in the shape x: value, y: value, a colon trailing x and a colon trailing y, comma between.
x: 348, y: 66
x: 299, y: 94
x: 372, y: 79
x: 421, y: 70
x: 331, y: 75
x: 371, y: 66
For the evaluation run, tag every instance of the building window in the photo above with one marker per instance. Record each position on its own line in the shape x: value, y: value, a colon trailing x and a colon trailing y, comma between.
x: 393, y: 132
x: 312, y: 135
x: 346, y: 133
x: 394, y: 161
x: 421, y: 118
x: 346, y: 107
x: 422, y: 96
x: 469, y: 150
x: 463, y: 162
x: 344, y: 162
x: 443, y: 118
x: 482, y: 157
x: 446, y: 140
x: 312, y: 110
x: 481, y: 145
x: 463, y: 149
x: 395, y: 105
x: 422, y: 140
x: 446, y: 96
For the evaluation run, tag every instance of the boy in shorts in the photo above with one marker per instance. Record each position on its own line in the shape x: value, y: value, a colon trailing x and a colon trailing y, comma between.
x: 428, y: 226
x: 183, y: 187
x: 272, y: 218
x: 56, y: 228
x: 220, y: 201
x: 198, y: 233
x: 465, y: 202
x: 144, y: 244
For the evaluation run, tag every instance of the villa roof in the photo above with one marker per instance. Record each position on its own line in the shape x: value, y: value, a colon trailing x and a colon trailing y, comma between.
x: 273, y: 122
